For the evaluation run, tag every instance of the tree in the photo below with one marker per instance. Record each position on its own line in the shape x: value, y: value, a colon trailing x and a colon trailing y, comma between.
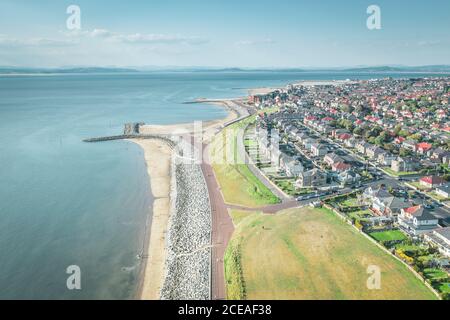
x: 415, y: 137
x: 358, y: 131
x: 389, y: 147
x: 403, y: 133
x: 379, y: 141
x: 385, y: 136
x: 404, y: 152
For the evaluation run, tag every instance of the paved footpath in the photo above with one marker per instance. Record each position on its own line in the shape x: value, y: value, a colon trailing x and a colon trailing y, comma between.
x: 222, y: 230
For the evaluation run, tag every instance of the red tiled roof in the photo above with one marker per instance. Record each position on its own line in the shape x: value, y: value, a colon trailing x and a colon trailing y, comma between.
x: 341, y: 166
x: 433, y: 180
x: 412, y: 209
x: 345, y: 136
x: 424, y: 146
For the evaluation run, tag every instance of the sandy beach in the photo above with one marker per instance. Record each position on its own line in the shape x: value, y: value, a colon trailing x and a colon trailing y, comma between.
x: 158, y: 155
x: 263, y: 91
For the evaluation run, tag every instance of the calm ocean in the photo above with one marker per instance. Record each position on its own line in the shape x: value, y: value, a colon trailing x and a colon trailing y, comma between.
x: 64, y: 202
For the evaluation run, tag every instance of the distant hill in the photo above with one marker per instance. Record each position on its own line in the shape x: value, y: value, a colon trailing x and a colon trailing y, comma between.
x: 19, y: 70
x: 92, y: 70
x: 384, y: 69
x: 434, y: 68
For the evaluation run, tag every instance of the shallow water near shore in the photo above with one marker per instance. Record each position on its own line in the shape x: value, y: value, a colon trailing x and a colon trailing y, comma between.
x: 64, y: 202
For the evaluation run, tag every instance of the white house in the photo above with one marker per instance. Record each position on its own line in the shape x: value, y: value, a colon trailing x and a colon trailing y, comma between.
x: 440, y: 238
x: 319, y: 150
x: 293, y: 168
x: 417, y: 220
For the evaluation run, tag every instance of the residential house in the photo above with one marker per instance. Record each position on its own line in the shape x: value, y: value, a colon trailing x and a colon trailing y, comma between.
x: 301, y: 136
x: 337, y: 132
x: 292, y: 167
x: 344, y: 137
x: 423, y: 147
x: 405, y: 165
x: 385, y: 158
x: 340, y: 166
x: 409, y: 145
x: 319, y: 150
x: 362, y: 146
x: 431, y: 182
x: 446, y: 158
x: 383, y: 203
x: 350, y: 143
x: 443, y: 191
x: 324, y: 128
x: 348, y: 177
x: 312, y: 178
x: 437, y: 154
x: 307, y: 143
x: 417, y: 220
x: 440, y: 238
x: 373, y: 152
x: 332, y: 158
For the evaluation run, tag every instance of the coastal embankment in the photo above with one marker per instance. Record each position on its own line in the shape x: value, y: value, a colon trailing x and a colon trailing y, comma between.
x: 189, y: 238
x: 178, y: 260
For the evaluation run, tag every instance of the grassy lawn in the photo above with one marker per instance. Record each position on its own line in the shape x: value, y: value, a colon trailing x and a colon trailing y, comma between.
x: 238, y: 215
x: 287, y: 185
x: 398, y: 174
x: 445, y: 287
x: 350, y: 202
x: 363, y: 214
x: 410, y: 248
x: 437, y: 197
x: 393, y: 235
x: 306, y: 254
x: 250, y: 143
x: 435, y: 274
x: 239, y: 185
x: 417, y: 185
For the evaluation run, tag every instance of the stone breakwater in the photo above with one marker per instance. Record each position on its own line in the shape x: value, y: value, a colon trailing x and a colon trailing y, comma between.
x: 189, y: 238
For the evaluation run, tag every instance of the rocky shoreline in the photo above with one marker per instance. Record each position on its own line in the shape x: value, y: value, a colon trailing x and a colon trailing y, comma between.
x: 189, y: 237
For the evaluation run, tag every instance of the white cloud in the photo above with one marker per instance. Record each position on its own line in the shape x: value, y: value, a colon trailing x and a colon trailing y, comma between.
x: 255, y: 42
x: 138, y: 38
x: 429, y: 43
x: 6, y: 41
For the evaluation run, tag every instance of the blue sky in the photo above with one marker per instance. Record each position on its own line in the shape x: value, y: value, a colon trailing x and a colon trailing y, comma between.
x: 224, y: 33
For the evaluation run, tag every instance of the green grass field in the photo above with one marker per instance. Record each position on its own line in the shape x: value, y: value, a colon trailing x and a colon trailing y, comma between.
x: 435, y: 274
x: 394, y: 235
x: 305, y: 254
x: 445, y: 287
x: 350, y: 202
x: 239, y: 185
x: 398, y: 174
x: 238, y: 215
